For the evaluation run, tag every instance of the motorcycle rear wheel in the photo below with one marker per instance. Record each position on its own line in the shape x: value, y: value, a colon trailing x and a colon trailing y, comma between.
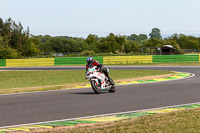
x: 96, y: 89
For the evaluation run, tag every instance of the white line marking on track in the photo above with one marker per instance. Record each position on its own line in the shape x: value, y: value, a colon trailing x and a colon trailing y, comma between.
x: 111, y: 114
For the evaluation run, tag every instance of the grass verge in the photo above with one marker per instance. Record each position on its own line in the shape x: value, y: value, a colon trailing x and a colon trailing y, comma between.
x: 26, y: 81
x: 186, y: 121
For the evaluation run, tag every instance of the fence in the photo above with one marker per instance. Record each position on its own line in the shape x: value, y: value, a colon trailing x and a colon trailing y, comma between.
x: 126, y: 59
x: 106, y: 60
x: 74, y: 60
x: 30, y: 62
x: 175, y: 58
x: 2, y: 62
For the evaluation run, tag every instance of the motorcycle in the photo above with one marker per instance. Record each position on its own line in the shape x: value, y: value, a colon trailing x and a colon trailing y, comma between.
x: 99, y: 81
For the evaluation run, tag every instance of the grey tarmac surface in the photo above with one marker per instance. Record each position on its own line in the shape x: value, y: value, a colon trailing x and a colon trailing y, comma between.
x: 27, y: 108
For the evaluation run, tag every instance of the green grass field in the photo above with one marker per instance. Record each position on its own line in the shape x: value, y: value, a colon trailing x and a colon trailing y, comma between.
x: 11, y: 80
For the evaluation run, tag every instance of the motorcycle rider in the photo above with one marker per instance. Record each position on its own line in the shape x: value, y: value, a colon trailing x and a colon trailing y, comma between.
x: 91, y: 62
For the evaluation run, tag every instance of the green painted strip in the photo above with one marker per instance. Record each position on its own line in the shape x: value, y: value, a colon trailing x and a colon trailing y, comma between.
x: 175, y: 58
x: 2, y: 62
x: 189, y: 106
x: 67, y: 123
x: 185, y: 74
x: 182, y: 75
x: 130, y: 115
x: 151, y: 80
x: 146, y: 81
x: 74, y: 60
x: 170, y: 78
x: 141, y: 81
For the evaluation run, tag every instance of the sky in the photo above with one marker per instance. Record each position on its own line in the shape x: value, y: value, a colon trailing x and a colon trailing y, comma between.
x: 79, y: 18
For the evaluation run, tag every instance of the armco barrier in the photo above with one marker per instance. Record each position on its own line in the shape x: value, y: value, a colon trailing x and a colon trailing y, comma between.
x: 199, y: 58
x: 2, y: 62
x: 127, y: 59
x: 74, y: 60
x: 106, y: 60
x: 30, y: 62
x: 175, y: 58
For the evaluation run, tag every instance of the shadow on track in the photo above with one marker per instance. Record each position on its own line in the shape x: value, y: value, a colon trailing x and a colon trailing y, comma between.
x: 87, y: 93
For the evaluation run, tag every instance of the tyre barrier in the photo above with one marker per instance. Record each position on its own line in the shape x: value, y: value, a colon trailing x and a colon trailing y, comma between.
x: 106, y: 60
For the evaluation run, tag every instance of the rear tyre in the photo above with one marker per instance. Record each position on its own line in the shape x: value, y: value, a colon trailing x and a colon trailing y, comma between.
x: 96, y: 89
x: 112, y: 89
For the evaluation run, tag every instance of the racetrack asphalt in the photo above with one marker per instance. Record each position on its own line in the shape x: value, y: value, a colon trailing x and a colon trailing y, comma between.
x: 35, y: 107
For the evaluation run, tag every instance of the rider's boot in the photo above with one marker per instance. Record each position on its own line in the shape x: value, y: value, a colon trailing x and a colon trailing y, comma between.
x: 109, y: 80
x: 107, y: 75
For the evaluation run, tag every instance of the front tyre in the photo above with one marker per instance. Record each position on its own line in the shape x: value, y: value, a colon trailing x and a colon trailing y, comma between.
x: 96, y: 89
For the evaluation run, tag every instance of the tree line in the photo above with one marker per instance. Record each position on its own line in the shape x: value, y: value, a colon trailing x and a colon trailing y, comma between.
x: 17, y: 42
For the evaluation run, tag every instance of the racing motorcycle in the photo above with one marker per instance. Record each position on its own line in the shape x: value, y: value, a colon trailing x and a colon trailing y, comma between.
x: 99, y: 81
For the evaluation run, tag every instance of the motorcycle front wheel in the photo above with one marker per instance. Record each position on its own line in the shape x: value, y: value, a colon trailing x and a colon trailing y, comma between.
x: 95, y: 88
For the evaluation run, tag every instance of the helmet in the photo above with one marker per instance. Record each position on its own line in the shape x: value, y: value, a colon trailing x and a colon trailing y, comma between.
x: 89, y: 60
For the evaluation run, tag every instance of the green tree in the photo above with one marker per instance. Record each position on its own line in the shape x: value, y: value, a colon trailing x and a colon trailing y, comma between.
x: 30, y: 48
x: 188, y: 42
x: 120, y: 40
x: 133, y: 37
x: 155, y: 34
x: 3, y: 41
x: 92, y: 42
x: 8, y: 53
x: 131, y: 47
x: 103, y: 45
x: 153, y: 43
x: 14, y: 33
x: 143, y: 37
